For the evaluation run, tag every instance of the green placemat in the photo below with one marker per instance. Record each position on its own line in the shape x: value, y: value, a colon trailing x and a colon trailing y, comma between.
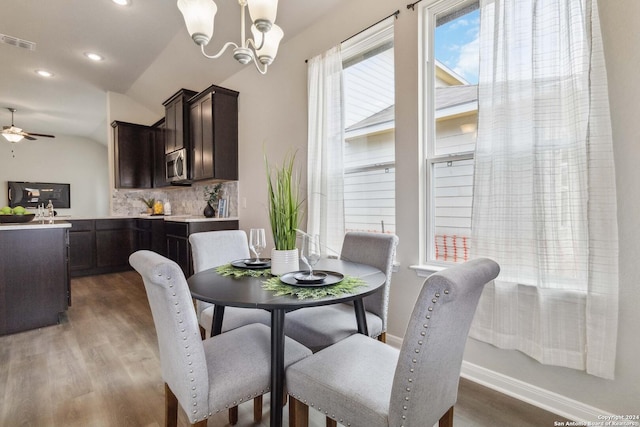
x: 345, y: 286
x: 229, y: 270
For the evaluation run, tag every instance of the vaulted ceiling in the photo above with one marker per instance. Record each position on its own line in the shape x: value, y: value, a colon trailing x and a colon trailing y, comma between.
x: 142, y: 44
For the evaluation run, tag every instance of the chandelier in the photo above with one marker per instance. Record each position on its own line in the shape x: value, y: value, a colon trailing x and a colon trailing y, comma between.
x: 262, y: 49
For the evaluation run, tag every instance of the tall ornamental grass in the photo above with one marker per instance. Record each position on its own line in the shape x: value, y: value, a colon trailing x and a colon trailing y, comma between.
x: 284, y: 202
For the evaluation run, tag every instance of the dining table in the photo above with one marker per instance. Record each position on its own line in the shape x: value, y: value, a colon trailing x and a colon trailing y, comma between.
x: 249, y: 292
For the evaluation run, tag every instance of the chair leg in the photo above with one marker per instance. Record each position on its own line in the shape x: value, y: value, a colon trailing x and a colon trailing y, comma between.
x: 257, y: 409
x: 170, y: 407
x: 447, y: 419
x: 298, y: 413
x: 233, y: 415
x: 382, y: 337
x: 331, y: 423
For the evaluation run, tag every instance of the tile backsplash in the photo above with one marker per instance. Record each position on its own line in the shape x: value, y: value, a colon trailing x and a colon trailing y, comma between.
x: 184, y: 200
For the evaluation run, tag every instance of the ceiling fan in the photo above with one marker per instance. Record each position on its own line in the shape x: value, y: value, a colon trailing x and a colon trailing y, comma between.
x: 15, y: 134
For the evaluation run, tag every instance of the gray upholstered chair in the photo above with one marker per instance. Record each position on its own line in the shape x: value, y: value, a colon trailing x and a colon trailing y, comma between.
x: 320, y: 327
x: 207, y: 376
x: 212, y: 249
x: 416, y: 386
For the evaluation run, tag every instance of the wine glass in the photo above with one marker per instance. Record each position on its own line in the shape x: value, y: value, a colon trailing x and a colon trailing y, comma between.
x: 310, y: 253
x: 257, y: 243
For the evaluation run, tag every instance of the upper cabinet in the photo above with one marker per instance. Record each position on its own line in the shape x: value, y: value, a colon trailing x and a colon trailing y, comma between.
x: 133, y: 151
x: 177, y: 120
x: 214, y: 134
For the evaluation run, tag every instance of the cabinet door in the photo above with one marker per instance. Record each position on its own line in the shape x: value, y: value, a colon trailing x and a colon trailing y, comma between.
x: 214, y: 135
x: 201, y: 138
x: 177, y: 120
x: 133, y: 155
x: 159, y: 166
x: 178, y: 251
x: 81, y: 250
x: 224, y: 127
x: 115, y: 241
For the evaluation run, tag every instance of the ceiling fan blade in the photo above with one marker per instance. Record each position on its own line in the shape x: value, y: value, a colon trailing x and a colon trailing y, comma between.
x: 30, y: 138
x: 38, y: 134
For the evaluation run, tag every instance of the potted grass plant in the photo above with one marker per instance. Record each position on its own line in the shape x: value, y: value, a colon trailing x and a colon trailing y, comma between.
x: 284, y: 203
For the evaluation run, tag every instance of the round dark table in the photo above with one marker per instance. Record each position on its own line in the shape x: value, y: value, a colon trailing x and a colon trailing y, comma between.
x: 247, y: 292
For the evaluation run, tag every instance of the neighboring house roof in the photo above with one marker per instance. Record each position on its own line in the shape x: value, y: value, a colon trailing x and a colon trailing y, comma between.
x: 450, y: 100
x: 384, y: 116
x: 450, y: 96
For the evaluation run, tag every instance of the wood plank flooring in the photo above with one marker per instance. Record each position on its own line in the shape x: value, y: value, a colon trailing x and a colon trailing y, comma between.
x: 100, y: 367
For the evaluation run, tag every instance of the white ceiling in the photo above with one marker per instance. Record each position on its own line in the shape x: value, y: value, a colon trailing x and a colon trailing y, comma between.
x: 143, y: 44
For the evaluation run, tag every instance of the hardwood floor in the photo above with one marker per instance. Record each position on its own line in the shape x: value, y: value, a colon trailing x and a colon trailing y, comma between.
x: 100, y: 367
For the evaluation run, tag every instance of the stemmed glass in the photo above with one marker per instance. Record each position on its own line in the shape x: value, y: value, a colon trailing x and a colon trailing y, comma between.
x: 257, y: 243
x: 310, y: 253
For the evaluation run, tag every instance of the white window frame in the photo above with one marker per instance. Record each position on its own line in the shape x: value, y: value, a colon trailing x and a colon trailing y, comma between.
x: 428, y: 11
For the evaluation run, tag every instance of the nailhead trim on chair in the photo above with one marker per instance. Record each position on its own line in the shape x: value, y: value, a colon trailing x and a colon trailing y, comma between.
x: 434, y: 300
x: 196, y: 416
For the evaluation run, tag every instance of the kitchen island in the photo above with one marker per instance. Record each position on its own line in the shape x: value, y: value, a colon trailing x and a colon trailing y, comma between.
x: 34, y: 274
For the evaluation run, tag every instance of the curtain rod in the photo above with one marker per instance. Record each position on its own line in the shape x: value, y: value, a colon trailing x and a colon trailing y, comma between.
x: 396, y: 13
x: 412, y: 5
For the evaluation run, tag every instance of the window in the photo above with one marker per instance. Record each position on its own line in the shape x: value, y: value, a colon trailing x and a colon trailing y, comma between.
x: 369, y: 150
x: 451, y: 100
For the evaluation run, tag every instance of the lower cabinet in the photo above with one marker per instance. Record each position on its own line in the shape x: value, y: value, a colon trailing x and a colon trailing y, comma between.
x: 34, y: 281
x: 101, y: 245
x: 98, y: 246
x: 178, y: 233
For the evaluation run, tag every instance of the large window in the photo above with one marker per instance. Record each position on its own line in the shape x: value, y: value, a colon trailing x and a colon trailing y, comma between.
x: 369, y: 151
x: 450, y: 123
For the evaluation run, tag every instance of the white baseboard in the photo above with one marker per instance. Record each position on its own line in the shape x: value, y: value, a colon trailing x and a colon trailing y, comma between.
x: 545, y: 399
x: 533, y: 395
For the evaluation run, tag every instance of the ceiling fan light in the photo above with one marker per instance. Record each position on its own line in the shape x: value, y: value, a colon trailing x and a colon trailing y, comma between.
x: 269, y: 49
x: 198, y: 16
x: 122, y: 2
x: 44, y: 73
x: 263, y: 13
x: 12, y: 137
x: 94, y: 56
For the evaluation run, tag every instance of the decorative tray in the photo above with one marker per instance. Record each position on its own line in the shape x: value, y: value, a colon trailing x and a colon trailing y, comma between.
x: 251, y: 263
x: 16, y: 218
x: 296, y: 278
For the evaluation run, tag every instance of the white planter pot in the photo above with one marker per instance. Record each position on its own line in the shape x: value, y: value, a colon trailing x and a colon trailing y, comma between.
x: 284, y: 261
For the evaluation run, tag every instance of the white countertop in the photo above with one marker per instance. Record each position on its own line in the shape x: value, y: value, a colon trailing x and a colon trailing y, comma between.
x: 176, y: 218
x: 33, y: 225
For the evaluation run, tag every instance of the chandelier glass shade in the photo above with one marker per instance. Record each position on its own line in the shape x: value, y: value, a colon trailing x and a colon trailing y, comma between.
x: 199, y: 17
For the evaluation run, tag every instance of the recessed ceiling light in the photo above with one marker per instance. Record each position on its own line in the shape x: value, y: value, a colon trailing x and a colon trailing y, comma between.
x: 44, y: 73
x: 93, y: 56
x: 122, y: 2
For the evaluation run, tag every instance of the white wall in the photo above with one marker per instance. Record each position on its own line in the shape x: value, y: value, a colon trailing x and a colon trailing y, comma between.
x: 80, y: 162
x: 273, y: 114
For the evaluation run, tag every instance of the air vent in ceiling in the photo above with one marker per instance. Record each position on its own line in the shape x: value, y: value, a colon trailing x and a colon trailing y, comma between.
x: 14, y: 41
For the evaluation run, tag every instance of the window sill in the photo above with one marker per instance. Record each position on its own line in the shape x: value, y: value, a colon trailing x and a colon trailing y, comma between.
x: 426, y: 270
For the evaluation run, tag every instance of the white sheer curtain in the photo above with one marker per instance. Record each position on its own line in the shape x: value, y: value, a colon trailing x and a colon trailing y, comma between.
x: 325, y: 171
x: 544, y: 189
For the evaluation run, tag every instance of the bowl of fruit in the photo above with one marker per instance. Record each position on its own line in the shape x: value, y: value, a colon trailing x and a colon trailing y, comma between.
x: 17, y: 214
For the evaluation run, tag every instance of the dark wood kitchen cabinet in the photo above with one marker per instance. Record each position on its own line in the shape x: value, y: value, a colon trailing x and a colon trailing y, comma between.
x: 101, y: 246
x: 159, y: 164
x: 133, y: 151
x: 151, y: 235
x: 82, y: 242
x: 34, y: 277
x: 178, y: 248
x: 214, y: 134
x: 177, y: 120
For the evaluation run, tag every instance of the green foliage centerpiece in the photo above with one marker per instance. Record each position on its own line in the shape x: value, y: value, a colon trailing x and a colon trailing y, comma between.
x: 284, y: 213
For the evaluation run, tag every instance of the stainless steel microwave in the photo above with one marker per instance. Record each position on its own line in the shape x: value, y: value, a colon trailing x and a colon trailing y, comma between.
x: 176, y: 166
